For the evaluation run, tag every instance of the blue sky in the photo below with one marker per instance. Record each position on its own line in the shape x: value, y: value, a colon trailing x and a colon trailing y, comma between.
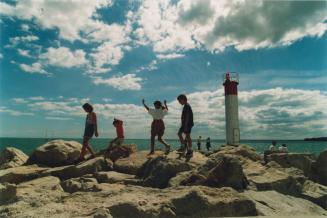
x: 57, y: 55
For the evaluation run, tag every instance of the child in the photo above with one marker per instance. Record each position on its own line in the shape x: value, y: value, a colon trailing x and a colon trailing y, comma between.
x: 186, y: 127
x: 273, y: 147
x: 208, y: 144
x: 199, y: 143
x: 157, y: 126
x: 283, y: 148
x: 118, y: 124
x: 91, y: 128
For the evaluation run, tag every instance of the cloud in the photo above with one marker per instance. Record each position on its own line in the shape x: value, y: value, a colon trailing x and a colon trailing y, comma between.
x: 20, y: 100
x: 37, y: 98
x: 170, y: 56
x: 264, y: 114
x: 25, y: 27
x: 35, y: 68
x: 104, y: 55
x: 1, y: 56
x: 14, y: 112
x: 58, y: 118
x: 24, y: 53
x: 70, y: 17
x: 64, y: 57
x: 126, y: 82
x: 22, y: 39
x: 215, y: 25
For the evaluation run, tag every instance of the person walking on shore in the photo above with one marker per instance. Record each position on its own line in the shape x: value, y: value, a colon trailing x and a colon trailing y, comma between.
x: 186, y: 127
x: 158, y: 125
x: 199, y: 143
x: 208, y: 144
x: 91, y: 128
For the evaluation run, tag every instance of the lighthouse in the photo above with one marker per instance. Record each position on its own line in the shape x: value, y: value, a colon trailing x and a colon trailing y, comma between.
x: 230, y: 82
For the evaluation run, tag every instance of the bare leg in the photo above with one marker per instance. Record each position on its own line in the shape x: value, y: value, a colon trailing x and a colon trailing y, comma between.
x: 85, y: 145
x: 181, y: 139
x: 189, y: 141
x: 162, y: 141
x: 152, y: 143
x: 91, y: 150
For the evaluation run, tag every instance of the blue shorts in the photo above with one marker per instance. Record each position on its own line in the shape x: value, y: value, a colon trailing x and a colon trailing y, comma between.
x: 89, y: 131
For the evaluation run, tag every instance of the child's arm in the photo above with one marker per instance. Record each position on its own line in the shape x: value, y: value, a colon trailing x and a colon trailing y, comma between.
x: 146, y: 106
x: 95, y: 124
x: 165, y: 103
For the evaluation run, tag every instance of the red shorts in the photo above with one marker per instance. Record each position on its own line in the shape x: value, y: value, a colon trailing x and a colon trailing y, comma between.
x: 157, y: 128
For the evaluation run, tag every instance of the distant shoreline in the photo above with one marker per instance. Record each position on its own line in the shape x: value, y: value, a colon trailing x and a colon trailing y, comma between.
x: 316, y: 139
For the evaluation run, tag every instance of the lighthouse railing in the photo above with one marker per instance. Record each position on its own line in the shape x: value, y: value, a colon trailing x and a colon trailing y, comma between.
x: 232, y: 76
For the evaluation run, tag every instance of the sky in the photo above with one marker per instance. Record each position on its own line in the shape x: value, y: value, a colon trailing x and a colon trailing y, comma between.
x: 57, y: 55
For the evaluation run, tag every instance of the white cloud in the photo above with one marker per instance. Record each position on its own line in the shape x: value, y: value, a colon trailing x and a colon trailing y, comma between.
x: 14, y: 112
x: 35, y: 68
x: 214, y: 25
x: 264, y: 114
x: 58, y: 118
x: 106, y: 54
x: 22, y: 39
x: 126, y: 82
x: 64, y: 57
x: 70, y: 17
x: 1, y: 56
x: 20, y: 100
x: 37, y: 98
x: 23, y: 52
x: 25, y: 27
x: 170, y: 56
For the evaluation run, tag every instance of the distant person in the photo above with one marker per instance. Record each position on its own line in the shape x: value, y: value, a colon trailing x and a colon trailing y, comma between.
x: 158, y: 126
x: 283, y: 148
x: 273, y: 147
x: 208, y: 143
x: 199, y: 143
x: 186, y: 127
x: 91, y: 128
x: 118, y: 124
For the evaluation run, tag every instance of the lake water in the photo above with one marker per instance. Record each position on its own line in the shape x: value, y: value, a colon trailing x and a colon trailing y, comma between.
x: 27, y: 145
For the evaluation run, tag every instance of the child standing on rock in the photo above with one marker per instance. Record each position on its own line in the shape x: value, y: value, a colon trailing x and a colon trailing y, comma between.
x: 118, y: 124
x: 157, y: 126
x: 91, y: 128
x: 186, y: 127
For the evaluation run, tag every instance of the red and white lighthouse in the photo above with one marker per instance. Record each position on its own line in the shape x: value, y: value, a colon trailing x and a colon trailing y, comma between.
x: 231, y: 108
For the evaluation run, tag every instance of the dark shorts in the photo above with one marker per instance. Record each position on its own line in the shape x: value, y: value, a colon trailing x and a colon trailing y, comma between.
x: 89, y: 131
x: 157, y: 128
x: 186, y: 130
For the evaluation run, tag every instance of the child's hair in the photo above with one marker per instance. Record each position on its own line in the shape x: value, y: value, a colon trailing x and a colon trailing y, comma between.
x: 182, y: 97
x: 157, y: 103
x: 114, y: 122
x: 87, y: 107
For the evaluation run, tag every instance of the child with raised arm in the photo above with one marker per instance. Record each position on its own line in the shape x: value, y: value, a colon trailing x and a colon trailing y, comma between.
x: 157, y: 126
x: 118, y: 124
x: 186, y: 127
x: 91, y: 128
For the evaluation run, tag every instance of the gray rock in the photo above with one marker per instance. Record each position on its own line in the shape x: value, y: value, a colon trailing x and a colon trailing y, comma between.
x: 21, y: 174
x: 302, y: 161
x: 113, y: 177
x: 315, y: 193
x: 272, y: 203
x: 80, y: 184
x: 321, y: 168
x: 56, y: 153
x: 7, y: 192
x: 12, y: 157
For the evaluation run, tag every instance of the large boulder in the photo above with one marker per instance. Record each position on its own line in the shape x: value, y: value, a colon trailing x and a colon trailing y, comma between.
x: 321, y: 168
x: 302, y: 161
x: 222, y: 171
x: 56, y: 153
x: 197, y: 201
x: 158, y: 171
x: 243, y: 152
x: 113, y: 177
x: 20, y: 174
x: 7, y: 192
x: 272, y: 203
x: 81, y: 184
x: 12, y: 157
x: 315, y: 193
x: 118, y: 152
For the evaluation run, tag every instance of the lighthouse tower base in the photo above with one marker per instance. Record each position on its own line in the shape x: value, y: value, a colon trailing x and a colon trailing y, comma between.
x: 232, y: 122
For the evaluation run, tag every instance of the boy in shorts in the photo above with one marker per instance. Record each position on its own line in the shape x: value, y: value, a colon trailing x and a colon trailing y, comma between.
x: 186, y: 127
x: 118, y: 124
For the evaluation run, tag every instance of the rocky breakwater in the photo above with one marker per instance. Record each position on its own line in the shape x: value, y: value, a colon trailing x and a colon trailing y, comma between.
x: 232, y: 181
